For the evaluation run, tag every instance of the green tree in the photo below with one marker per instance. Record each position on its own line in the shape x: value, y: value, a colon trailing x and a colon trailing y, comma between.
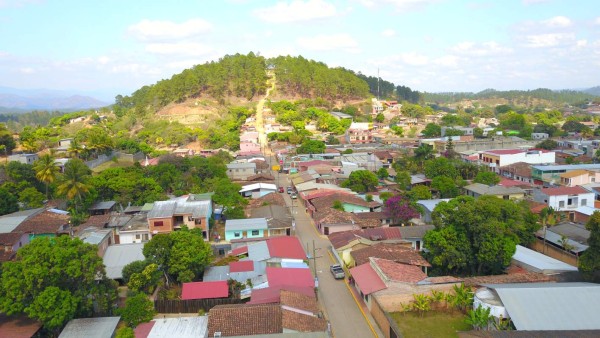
x: 547, y: 144
x: 8, y: 202
x: 138, y: 309
x: 54, y: 280
x: 31, y: 198
x: 379, y: 118
x: 125, y: 332
x: 338, y: 205
x: 487, y: 178
x: 421, y: 303
x: 479, y: 318
x: 382, y: 173
x: 146, y: 280
x: 589, y: 263
x: 74, y: 183
x: 46, y: 170
x: 420, y: 192
x: 311, y: 147
x: 440, y: 166
x: 361, y: 181
x: 445, y: 186
x: 403, y: 179
x: 432, y: 130
x: 6, y: 139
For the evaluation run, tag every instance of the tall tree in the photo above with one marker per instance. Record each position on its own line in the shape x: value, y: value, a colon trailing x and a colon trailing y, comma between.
x: 54, y: 280
x: 8, y: 202
x: 401, y: 209
x: 46, y: 170
x: 361, y: 181
x: 589, y: 263
x: 74, y: 183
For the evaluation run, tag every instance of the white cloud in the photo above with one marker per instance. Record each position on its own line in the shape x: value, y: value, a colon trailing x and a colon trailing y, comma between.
x: 447, y: 61
x: 18, y: 3
x: 399, y: 4
x: 581, y: 43
x: 388, y: 33
x: 179, y: 48
x: 597, y: 21
x: 558, y: 22
x: 27, y: 70
x: 155, y: 31
x: 103, y: 60
x: 296, y: 11
x: 329, y: 42
x: 414, y: 59
x: 469, y: 48
x: 547, y: 40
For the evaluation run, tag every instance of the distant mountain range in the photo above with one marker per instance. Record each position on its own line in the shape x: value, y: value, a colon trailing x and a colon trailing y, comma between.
x: 21, y: 100
x: 593, y: 90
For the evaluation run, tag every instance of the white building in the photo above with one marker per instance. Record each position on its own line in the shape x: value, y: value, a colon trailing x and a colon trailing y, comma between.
x: 495, y: 159
x: 564, y: 198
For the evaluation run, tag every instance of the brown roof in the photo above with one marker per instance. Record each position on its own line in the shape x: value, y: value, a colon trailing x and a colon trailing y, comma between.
x: 10, y: 238
x: 399, y: 272
x: 333, y: 216
x: 393, y: 252
x: 415, y: 231
x: 97, y: 221
x: 529, y: 277
x: 300, y: 322
x: 245, y: 320
x: 46, y: 222
x: 299, y: 301
x: 272, y: 198
x: 342, y: 238
x: 327, y: 201
x: 18, y: 327
x: 574, y: 173
x: 260, y: 177
x: 277, y: 216
x: 564, y: 191
x: 520, y: 169
x: 378, y: 215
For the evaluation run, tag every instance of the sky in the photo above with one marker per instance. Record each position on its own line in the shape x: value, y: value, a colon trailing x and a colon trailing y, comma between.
x: 109, y: 47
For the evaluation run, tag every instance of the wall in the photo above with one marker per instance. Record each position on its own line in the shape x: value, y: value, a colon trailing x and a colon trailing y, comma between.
x: 392, y: 298
x: 130, y: 237
x: 165, y: 228
x: 229, y: 235
x: 555, y: 253
x: 380, y: 318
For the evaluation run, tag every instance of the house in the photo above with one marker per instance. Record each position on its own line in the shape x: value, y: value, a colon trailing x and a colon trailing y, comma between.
x: 11, y: 242
x: 567, y: 239
x: 48, y: 223
x: 536, y: 262
x: 240, y: 171
x: 279, y: 219
x: 135, y: 229
x: 394, y: 252
x: 189, y: 211
x: 428, y: 206
x: 339, y: 115
x: 102, y: 238
x: 9, y: 222
x: 359, y: 132
x: 64, y: 144
x: 579, y: 177
x: 467, y: 131
x: 350, y: 203
x: 331, y: 220
x: 99, y: 327
x: 345, y: 242
x: 246, y: 228
x: 519, y: 171
x: 317, y: 166
x: 539, y: 136
x: 262, y: 320
x: 415, y: 234
x: 257, y: 190
x: 180, y: 327
x: 494, y: 159
x: 292, y: 277
x: 275, y: 249
x: 564, y: 198
x: 205, y: 290
x: 102, y: 208
x: 119, y: 255
x: 383, y: 219
x: 543, y: 306
x: 249, y: 148
x: 367, y: 161
x: 478, y: 189
x: 23, y: 158
x: 550, y: 174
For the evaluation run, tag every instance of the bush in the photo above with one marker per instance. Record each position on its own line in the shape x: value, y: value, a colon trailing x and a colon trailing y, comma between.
x: 138, y: 309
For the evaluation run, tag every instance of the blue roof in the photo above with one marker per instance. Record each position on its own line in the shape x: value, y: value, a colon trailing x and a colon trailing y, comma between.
x: 566, y: 167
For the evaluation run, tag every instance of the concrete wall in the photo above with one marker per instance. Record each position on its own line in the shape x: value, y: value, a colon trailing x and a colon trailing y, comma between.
x: 396, y: 294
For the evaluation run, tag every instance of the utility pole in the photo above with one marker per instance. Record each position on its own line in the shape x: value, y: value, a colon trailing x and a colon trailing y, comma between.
x: 314, y: 256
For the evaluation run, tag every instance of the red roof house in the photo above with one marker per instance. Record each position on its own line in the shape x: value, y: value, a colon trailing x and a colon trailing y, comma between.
x: 242, y: 250
x: 293, y: 277
x: 205, y: 290
x: 286, y: 247
x: 241, y: 266
x: 366, y: 279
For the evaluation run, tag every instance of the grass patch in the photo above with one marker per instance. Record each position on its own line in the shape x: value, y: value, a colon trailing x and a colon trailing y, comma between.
x: 432, y: 324
x: 112, y: 164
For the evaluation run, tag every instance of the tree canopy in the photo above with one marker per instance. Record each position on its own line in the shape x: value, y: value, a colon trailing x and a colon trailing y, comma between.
x: 361, y: 181
x: 589, y: 263
x: 478, y: 236
x: 54, y: 280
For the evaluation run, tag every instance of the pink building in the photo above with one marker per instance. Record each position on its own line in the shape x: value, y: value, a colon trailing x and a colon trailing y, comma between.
x: 249, y: 148
x: 578, y: 177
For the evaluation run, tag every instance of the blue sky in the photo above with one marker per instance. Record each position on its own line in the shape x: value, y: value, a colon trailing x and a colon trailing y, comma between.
x: 113, y: 47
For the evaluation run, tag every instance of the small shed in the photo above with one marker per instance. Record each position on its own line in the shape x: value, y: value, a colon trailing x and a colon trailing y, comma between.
x: 101, y: 327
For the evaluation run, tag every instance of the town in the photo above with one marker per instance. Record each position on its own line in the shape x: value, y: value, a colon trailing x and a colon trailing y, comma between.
x: 355, y: 234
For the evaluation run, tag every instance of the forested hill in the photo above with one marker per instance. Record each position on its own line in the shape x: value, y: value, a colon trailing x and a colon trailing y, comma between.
x: 232, y: 76
x: 516, y: 96
x: 297, y: 76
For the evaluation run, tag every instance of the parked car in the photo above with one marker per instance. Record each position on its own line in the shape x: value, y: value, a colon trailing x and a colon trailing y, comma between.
x: 281, y: 189
x: 289, y: 190
x: 294, y: 195
x: 337, y: 271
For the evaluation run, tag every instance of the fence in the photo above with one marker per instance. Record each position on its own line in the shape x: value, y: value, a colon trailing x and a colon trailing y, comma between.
x: 191, y: 306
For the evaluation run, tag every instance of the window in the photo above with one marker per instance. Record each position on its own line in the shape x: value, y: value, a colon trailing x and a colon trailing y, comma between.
x: 254, y: 232
x: 158, y: 223
x: 593, y: 179
x: 137, y: 236
x: 236, y: 234
x: 570, y: 201
x: 561, y: 204
x: 583, y: 202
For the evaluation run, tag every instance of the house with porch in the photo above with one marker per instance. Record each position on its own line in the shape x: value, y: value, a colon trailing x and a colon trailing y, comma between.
x: 564, y: 198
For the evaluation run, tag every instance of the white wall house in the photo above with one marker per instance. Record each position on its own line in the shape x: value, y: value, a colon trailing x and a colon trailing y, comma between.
x: 495, y: 159
x: 564, y: 198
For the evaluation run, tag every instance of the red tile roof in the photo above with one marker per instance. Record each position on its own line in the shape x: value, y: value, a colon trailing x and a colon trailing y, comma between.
x: 241, y: 266
x: 398, y: 253
x: 10, y: 238
x: 367, y: 280
x: 529, y: 277
x: 205, y: 290
x: 18, y: 327
x: 294, y: 277
x: 300, y: 322
x: 299, y: 301
x: 240, y: 251
x: 245, y: 320
x: 272, y: 294
x: 342, y: 238
x: 286, y: 247
x: 143, y: 329
x: 400, y: 272
x: 504, y: 151
x: 46, y: 222
x: 564, y: 191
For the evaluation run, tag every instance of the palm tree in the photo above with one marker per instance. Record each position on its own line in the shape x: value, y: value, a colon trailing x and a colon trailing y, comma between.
x: 75, y: 148
x: 479, y: 318
x: 45, y: 170
x: 74, y: 182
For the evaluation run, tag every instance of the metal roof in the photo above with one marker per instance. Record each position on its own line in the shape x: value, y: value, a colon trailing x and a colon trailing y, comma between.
x: 100, y: 327
x: 556, y: 238
x: 255, y: 186
x: 9, y: 222
x: 166, y: 209
x: 242, y: 165
x: 483, y: 189
x: 246, y: 224
x: 551, y: 306
x: 258, y: 251
x: 431, y: 204
x: 566, y: 167
x: 162, y: 209
x: 537, y: 262
x: 180, y: 327
x: 215, y: 273
x: 104, y: 205
x: 117, y: 256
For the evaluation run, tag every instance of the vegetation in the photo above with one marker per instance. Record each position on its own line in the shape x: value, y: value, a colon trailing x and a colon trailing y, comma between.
x: 138, y: 309
x: 433, y: 324
x: 478, y: 236
x: 361, y: 181
x: 589, y: 262
x: 487, y: 178
x: 54, y: 280
x: 561, y: 96
x: 400, y: 209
